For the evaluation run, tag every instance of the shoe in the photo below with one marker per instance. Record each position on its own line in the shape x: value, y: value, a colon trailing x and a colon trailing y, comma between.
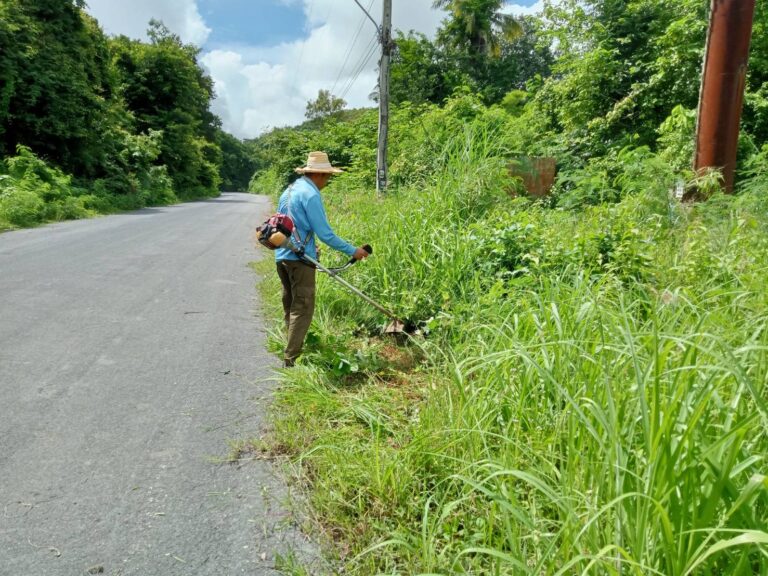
x: 289, y: 363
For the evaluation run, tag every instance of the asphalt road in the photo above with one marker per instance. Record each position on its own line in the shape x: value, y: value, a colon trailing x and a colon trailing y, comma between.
x: 131, y: 353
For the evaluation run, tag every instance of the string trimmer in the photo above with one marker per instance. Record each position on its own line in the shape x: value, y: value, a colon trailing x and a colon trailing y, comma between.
x: 396, y: 326
x: 276, y: 232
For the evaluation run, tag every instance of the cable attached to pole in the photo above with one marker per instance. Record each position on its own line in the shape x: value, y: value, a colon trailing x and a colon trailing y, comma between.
x: 378, y: 28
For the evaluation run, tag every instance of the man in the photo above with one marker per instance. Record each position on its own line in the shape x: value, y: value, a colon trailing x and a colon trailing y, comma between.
x: 303, y: 203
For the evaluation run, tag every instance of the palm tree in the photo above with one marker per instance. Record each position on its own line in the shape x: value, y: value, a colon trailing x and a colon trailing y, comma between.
x: 480, y: 24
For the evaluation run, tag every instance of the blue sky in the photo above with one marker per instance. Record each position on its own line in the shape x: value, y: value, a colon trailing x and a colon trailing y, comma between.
x: 267, y: 58
x: 262, y: 22
x: 246, y: 21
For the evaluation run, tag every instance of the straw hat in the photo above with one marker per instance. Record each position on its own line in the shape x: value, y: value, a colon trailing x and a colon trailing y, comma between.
x: 318, y: 162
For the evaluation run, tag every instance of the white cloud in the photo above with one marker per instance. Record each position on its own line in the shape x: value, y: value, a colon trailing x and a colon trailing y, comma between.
x: 253, y: 97
x: 262, y: 87
x: 132, y: 18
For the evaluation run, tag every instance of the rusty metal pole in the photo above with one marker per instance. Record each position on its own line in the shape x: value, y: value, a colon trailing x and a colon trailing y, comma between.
x: 722, y: 87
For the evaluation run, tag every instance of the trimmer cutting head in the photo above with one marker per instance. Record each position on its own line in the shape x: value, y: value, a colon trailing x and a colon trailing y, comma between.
x: 395, y: 327
x: 400, y: 328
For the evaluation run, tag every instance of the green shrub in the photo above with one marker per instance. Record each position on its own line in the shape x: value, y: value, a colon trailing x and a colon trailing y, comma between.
x: 677, y: 136
x: 157, y: 187
x: 754, y: 176
x: 592, y: 395
x: 32, y: 192
x: 19, y: 206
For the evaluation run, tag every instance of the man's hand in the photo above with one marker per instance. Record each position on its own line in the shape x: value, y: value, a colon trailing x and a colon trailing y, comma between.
x: 360, y: 254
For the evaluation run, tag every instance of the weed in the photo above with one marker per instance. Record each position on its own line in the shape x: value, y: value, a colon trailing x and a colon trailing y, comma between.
x: 591, y: 396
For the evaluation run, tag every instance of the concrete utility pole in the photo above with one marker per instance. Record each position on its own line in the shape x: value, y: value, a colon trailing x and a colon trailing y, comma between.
x: 386, y: 52
x: 722, y: 87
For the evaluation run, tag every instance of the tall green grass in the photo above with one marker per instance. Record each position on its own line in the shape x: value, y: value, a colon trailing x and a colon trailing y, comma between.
x: 590, y: 397
x: 606, y: 430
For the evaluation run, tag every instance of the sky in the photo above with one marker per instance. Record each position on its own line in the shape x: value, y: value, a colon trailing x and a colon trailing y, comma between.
x: 268, y: 58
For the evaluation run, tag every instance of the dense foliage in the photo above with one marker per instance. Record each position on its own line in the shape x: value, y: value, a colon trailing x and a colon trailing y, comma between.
x: 124, y: 123
x: 326, y: 104
x: 589, y: 394
x: 423, y: 71
x: 58, y: 88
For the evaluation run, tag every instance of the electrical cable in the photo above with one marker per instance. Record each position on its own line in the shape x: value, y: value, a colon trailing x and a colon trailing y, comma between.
x: 349, y: 50
x: 361, y: 66
x: 303, y: 43
x: 378, y: 28
x: 353, y: 81
x: 372, y: 49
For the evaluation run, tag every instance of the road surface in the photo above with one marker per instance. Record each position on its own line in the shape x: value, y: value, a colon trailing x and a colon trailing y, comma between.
x: 131, y: 353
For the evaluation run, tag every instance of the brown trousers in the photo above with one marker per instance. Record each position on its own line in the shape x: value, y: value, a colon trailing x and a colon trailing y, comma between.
x: 298, y: 282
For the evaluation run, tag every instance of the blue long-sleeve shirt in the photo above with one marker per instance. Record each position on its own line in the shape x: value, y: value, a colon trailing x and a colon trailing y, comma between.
x: 308, y: 215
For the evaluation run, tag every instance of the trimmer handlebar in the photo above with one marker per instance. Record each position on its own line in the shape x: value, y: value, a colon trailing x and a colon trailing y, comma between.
x: 395, y: 326
x: 367, y: 248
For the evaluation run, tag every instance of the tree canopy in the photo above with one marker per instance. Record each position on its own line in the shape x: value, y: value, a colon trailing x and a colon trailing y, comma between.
x: 326, y: 104
x: 585, y: 80
x: 127, y: 119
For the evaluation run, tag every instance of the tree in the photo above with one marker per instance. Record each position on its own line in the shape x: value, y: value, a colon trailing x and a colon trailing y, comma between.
x: 419, y: 71
x: 622, y: 66
x: 12, y: 25
x: 426, y: 72
x: 756, y: 98
x: 237, y: 166
x: 519, y: 60
x: 166, y: 90
x: 477, y: 25
x: 57, y: 90
x: 490, y: 52
x: 326, y: 104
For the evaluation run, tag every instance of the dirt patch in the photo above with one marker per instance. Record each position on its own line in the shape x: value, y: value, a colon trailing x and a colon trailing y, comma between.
x: 398, y: 358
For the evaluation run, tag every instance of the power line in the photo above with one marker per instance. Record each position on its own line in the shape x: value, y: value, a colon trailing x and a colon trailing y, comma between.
x: 358, y: 71
x: 349, y: 50
x: 361, y: 66
x: 378, y: 28
x: 301, y: 52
